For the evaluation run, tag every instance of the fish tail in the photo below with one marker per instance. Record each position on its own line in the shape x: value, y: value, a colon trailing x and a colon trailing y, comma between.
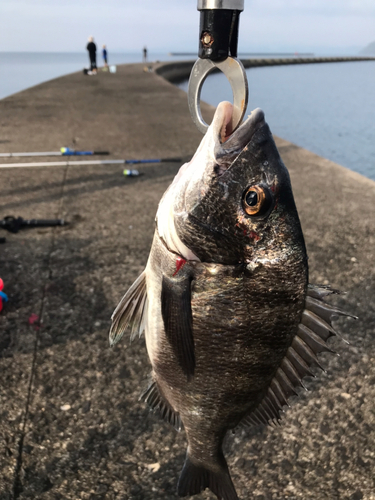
x: 195, y: 478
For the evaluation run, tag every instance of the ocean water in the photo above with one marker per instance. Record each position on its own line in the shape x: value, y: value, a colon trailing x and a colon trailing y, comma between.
x: 21, y: 70
x: 327, y: 108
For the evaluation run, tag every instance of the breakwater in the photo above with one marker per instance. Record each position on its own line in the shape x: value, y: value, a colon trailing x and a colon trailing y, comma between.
x: 176, y: 72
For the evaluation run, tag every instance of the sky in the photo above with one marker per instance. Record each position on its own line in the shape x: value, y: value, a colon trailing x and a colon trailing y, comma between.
x: 319, y: 26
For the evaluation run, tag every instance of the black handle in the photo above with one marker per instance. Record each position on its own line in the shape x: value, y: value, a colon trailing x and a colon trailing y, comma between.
x: 218, y: 34
x: 14, y: 224
x: 43, y: 222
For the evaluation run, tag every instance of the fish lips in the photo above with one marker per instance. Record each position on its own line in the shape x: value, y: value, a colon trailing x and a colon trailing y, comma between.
x: 226, y: 152
x: 217, y: 155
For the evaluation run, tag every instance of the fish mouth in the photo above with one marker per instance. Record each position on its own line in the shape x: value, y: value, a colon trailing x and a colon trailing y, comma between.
x: 229, y: 144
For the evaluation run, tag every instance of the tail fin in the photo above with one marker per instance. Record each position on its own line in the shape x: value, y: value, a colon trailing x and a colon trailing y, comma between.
x: 195, y: 478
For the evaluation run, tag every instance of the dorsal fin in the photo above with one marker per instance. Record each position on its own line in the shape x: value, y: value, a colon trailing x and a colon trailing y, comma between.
x: 157, y: 402
x: 131, y: 311
x: 313, y: 332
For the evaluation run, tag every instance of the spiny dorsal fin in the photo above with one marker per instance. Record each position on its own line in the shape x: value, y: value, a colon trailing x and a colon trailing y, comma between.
x: 313, y: 332
x: 131, y: 311
x: 157, y: 402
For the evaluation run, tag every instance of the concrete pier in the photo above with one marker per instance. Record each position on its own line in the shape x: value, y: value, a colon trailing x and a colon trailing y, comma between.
x: 71, y: 425
x: 179, y: 71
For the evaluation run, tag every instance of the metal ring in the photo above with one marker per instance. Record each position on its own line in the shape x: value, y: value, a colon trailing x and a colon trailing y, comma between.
x: 221, y: 4
x: 235, y: 73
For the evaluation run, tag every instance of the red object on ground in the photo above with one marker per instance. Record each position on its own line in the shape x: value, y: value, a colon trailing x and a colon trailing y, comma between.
x: 34, y: 320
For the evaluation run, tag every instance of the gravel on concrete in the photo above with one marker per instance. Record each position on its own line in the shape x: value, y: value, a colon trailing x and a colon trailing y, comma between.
x: 71, y: 425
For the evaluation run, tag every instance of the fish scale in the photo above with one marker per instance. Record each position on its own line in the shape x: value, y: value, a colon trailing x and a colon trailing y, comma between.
x: 231, y: 324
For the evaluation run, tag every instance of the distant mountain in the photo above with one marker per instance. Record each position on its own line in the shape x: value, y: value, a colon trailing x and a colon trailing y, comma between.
x: 369, y: 50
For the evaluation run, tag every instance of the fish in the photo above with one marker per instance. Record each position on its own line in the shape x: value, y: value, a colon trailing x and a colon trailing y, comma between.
x: 231, y: 323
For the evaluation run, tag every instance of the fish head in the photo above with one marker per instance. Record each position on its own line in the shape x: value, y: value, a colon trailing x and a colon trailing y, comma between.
x: 233, y: 202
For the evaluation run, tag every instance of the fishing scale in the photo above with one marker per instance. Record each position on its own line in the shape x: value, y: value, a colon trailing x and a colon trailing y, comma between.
x: 218, y: 40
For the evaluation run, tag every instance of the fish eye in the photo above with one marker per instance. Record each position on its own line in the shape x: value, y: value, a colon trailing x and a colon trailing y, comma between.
x: 257, y: 200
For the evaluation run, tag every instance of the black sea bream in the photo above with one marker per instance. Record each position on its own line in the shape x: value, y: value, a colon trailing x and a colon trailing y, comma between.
x: 231, y: 323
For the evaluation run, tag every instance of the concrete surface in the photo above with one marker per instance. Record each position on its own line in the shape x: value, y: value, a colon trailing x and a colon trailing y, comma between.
x: 71, y: 426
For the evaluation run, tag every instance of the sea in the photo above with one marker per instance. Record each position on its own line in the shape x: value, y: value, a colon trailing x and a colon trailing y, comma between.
x: 327, y: 108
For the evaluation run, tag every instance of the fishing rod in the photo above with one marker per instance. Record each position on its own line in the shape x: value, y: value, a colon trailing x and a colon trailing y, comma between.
x: 14, y: 224
x: 62, y: 152
x: 69, y: 163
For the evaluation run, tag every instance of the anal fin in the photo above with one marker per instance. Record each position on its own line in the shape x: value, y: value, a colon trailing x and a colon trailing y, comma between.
x: 157, y: 402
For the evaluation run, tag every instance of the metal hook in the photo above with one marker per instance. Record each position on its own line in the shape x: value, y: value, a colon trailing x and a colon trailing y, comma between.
x: 235, y: 72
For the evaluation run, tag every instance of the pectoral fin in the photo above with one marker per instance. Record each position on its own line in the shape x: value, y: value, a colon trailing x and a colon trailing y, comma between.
x: 178, y: 321
x: 130, y: 311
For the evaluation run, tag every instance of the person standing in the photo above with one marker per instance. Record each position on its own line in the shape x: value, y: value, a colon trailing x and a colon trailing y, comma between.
x: 105, y: 56
x: 144, y: 54
x: 91, y: 47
